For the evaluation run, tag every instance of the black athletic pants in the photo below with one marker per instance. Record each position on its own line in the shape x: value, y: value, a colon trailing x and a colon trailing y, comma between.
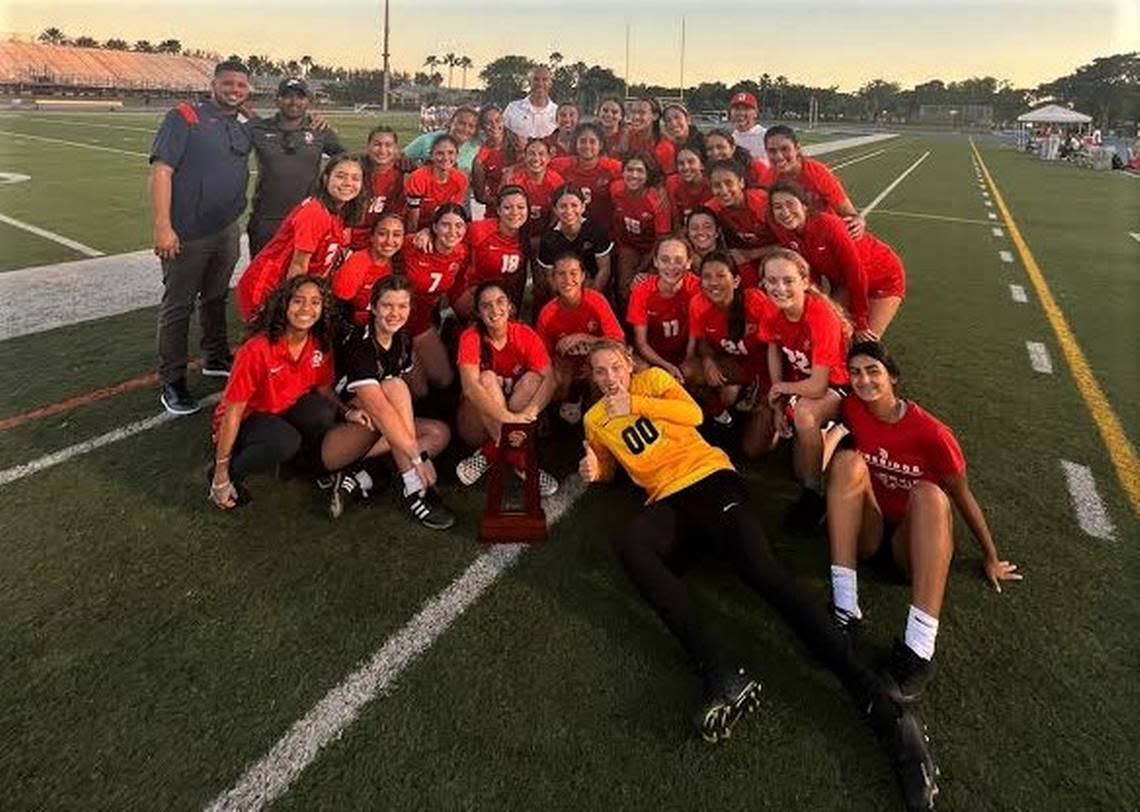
x: 712, y: 514
x: 267, y: 440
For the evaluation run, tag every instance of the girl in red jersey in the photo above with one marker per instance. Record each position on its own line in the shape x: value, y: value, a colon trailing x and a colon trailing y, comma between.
x: 353, y: 281
x: 434, y: 270
x: 702, y: 230
x: 677, y: 126
x: 569, y: 324
x: 506, y: 375
x: 644, y: 134
x: 539, y: 181
x: 494, y: 156
x: 659, y: 307
x: 726, y: 321
x: 611, y: 115
x: 688, y: 188
x: 497, y: 252
x: 807, y: 349
x: 561, y: 141
x: 590, y: 172
x: 383, y: 181
x: 435, y: 184
x: 278, y: 398
x: 891, y: 492
x: 720, y: 146
x: 641, y: 216
x: 743, y: 216
x: 313, y: 238
x: 824, y: 190
x: 864, y: 275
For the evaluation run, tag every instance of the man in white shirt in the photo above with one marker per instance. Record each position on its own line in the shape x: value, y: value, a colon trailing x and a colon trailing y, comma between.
x: 743, y: 110
x: 535, y: 115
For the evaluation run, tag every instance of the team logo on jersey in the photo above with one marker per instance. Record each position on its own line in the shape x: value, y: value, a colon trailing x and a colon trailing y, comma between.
x: 318, y: 359
x: 308, y: 138
x: 592, y: 325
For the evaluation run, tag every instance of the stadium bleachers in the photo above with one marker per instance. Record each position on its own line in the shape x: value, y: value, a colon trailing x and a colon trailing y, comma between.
x: 28, y: 64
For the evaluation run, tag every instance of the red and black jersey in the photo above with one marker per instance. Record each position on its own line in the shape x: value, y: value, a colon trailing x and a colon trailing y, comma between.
x: 817, y: 339
x: 493, y: 254
x: 311, y: 228
x: 592, y: 315
x: 523, y: 351
x: 666, y: 318
x: 494, y: 161
x: 424, y: 192
x: 432, y: 275
x: 386, y: 195
x: 745, y: 225
x: 539, y: 195
x: 711, y: 323
x: 684, y: 197
x: 594, y: 183
x: 354, y: 280
x: 639, y: 217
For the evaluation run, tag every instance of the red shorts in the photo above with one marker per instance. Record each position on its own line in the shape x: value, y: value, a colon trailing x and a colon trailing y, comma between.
x: 886, y: 275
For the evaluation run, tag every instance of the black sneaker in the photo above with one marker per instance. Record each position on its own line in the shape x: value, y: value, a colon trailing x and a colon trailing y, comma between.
x: 176, y: 398
x: 429, y: 510
x: 847, y: 623
x: 807, y: 513
x: 345, y: 489
x: 909, y: 749
x: 728, y: 695
x: 217, y: 367
x: 906, y: 674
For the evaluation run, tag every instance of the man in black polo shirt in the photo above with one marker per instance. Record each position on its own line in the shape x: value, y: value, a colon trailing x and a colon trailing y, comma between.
x: 199, y: 168
x: 289, y: 147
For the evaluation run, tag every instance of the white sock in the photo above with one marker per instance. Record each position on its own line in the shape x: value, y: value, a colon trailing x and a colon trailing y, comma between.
x: 845, y: 591
x: 921, y: 629
x: 364, y: 480
x: 412, y: 482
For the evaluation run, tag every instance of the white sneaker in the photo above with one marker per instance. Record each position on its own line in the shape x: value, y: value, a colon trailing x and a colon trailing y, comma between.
x: 571, y: 412
x: 547, y: 485
x: 471, y: 468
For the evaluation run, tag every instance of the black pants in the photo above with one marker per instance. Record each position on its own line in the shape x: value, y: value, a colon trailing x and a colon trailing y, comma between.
x: 712, y: 515
x: 267, y: 440
x: 260, y: 231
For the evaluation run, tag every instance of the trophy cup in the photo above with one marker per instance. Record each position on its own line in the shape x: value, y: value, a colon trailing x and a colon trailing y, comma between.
x: 503, y: 526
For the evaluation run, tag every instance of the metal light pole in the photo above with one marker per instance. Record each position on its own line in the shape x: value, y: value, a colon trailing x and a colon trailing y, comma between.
x: 387, y: 79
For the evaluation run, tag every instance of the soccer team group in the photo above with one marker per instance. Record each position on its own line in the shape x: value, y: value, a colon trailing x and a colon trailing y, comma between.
x: 675, y: 283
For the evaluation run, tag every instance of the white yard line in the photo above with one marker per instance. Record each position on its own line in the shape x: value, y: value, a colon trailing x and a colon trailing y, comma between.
x: 271, y: 776
x: 51, y: 235
x: 10, y: 475
x: 997, y: 232
x: 1134, y: 235
x: 870, y: 207
x: 1091, y: 514
x: 1017, y: 293
x: 990, y: 215
x: 852, y: 161
x: 943, y: 217
x: 75, y: 144
x: 1006, y: 256
x: 846, y: 143
x: 85, y: 124
x: 1039, y: 357
x: 987, y: 203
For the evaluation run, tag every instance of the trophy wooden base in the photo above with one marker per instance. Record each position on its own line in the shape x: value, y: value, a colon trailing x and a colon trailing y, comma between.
x: 502, y: 526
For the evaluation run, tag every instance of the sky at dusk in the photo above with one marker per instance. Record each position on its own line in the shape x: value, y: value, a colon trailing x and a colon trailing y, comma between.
x: 818, y: 43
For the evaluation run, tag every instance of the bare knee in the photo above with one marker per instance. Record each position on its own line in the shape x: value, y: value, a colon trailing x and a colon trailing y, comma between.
x: 929, y: 498
x: 847, y: 467
x: 806, y: 416
x: 434, y: 435
x: 488, y: 379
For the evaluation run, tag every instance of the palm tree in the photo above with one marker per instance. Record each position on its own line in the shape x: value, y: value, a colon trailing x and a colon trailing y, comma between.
x: 52, y: 36
x: 464, y: 63
x: 555, y: 59
x: 432, y: 62
x: 450, y: 59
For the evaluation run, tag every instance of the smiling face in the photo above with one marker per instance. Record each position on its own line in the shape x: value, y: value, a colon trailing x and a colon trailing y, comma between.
x: 718, y: 147
x: 788, y: 211
x: 870, y: 380
x: 537, y: 157
x: 541, y: 80
x: 611, y: 371
x: 719, y: 283
x: 392, y: 311
x: 785, y: 283
x: 567, y: 118
x: 304, y: 308
x: 672, y: 262
x: 634, y: 173
x: 567, y: 277
x: 611, y: 115
x: 449, y: 230
x: 588, y: 146
x: 689, y: 166
x: 293, y: 105
x: 387, y: 236
x: 463, y: 125
x: 382, y: 149
x: 494, y: 309
x: 443, y: 156
x: 230, y: 88
x: 569, y: 209
x: 513, y: 211
x: 783, y: 153
x: 493, y: 127
x: 345, y: 181
x: 743, y: 116
x: 727, y: 187
x: 676, y: 124
x: 701, y: 229
x: 641, y: 116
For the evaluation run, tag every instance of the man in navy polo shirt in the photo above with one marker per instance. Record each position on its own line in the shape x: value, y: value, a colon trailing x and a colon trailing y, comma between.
x: 199, y: 169
x: 288, y: 146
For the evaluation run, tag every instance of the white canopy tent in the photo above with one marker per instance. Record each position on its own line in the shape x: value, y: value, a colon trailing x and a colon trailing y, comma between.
x: 1049, y: 114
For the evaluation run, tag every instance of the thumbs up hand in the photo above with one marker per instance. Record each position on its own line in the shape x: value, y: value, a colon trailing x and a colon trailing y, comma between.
x: 589, y: 468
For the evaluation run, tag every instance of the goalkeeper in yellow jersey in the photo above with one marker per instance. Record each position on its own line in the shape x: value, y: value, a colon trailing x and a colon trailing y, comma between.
x: 697, y: 505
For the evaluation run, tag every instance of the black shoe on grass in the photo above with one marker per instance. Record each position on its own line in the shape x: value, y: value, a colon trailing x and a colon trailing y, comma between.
x: 848, y: 624
x: 807, y: 513
x: 906, y: 674
x: 909, y: 749
x: 176, y: 398
x: 345, y: 489
x: 217, y: 367
x: 428, y: 509
x: 728, y: 694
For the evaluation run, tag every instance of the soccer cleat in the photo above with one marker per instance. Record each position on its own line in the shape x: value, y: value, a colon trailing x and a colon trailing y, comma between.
x: 471, y: 468
x: 807, y: 513
x: 176, y: 398
x: 906, y: 674
x: 909, y: 750
x: 727, y: 696
x: 428, y: 509
x: 847, y: 623
x: 345, y: 489
x: 547, y: 484
x: 217, y: 367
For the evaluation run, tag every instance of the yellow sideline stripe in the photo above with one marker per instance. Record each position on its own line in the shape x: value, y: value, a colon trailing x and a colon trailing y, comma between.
x: 1120, y: 450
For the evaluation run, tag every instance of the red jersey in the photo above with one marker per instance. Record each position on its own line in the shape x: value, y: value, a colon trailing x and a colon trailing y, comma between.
x: 523, y: 352
x: 761, y: 175
x: 539, y: 194
x: 824, y: 190
x: 611, y: 142
x: 493, y: 254
x: 663, y: 150
x: 592, y: 315
x: 424, y: 192
x: 432, y: 274
x: 684, y: 197
x: 310, y: 227
x: 494, y: 160
x: 639, y: 218
x: 353, y: 282
x: 555, y: 146
x: 746, y: 225
x: 386, y: 195
x: 917, y: 447
x: 268, y: 380
x: 831, y: 253
x: 815, y: 340
x: 710, y: 322
x: 593, y: 182
x: 666, y: 318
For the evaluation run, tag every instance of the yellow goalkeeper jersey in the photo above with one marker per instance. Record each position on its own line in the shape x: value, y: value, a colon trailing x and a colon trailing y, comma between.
x: 657, y: 443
